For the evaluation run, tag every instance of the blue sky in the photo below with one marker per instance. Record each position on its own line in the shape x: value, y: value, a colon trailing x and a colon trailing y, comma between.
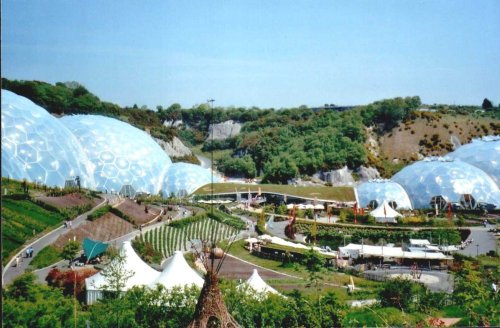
x: 258, y: 53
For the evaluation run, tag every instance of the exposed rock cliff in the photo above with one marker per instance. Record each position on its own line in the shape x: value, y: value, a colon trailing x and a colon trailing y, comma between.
x: 367, y: 173
x: 224, y: 130
x: 340, y: 177
x: 174, y: 148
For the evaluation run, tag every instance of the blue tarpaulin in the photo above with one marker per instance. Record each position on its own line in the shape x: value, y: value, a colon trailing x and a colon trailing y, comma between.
x: 93, y: 248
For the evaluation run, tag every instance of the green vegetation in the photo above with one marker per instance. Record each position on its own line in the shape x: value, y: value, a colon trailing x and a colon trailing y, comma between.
x: 47, y: 256
x: 98, y: 212
x: 335, y: 235
x: 177, y: 236
x: 22, y: 220
x: 344, y: 194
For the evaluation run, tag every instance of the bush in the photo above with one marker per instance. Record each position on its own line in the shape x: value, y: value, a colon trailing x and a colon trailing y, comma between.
x: 99, y: 212
x: 47, y: 256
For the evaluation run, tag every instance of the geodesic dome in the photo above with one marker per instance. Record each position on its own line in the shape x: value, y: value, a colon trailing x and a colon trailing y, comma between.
x: 380, y: 190
x: 483, y: 153
x: 37, y: 147
x: 184, y: 178
x: 123, y: 156
x: 446, y: 178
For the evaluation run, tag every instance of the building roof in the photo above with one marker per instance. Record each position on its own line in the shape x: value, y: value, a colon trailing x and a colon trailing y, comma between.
x: 355, y: 250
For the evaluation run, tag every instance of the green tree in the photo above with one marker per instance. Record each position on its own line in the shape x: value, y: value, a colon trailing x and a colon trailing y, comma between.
x: 314, y: 263
x: 70, y: 250
x: 280, y: 170
x: 487, y: 104
x: 400, y: 293
x: 116, y: 274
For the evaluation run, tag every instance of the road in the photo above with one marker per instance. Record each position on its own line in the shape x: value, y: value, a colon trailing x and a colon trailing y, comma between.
x: 205, y: 162
x: 10, y: 271
x: 482, y: 242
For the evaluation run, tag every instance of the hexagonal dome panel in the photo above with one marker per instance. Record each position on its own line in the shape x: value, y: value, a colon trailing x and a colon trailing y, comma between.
x: 483, y: 153
x: 443, y: 176
x: 122, y: 154
x: 380, y: 190
x: 35, y: 145
x: 184, y: 178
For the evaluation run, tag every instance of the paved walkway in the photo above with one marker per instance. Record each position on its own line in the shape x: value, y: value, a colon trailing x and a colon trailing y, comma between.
x: 482, y: 241
x: 10, y: 271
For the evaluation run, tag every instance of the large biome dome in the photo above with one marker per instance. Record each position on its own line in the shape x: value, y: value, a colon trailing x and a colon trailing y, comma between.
x: 184, y: 178
x: 483, y: 153
x: 38, y: 148
x: 126, y: 159
x: 443, y: 180
x: 380, y: 190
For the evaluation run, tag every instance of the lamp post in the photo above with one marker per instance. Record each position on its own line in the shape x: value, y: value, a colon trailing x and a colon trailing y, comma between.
x: 211, y: 102
x: 477, y: 250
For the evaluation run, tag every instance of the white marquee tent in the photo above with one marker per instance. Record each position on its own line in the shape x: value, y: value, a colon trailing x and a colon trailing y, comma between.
x: 177, y: 273
x: 141, y: 274
x: 385, y: 213
x: 256, y: 283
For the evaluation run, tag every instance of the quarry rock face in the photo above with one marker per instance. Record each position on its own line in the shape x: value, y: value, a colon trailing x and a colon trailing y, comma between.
x: 367, y: 173
x: 174, y: 148
x: 224, y: 130
x: 455, y: 142
x: 340, y: 177
x: 175, y: 123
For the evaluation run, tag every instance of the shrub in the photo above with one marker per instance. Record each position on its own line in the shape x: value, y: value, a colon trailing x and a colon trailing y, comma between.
x: 99, y: 212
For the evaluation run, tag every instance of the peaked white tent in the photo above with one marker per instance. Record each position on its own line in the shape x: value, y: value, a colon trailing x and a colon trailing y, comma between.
x: 385, y: 213
x: 178, y: 273
x: 141, y: 274
x: 256, y: 283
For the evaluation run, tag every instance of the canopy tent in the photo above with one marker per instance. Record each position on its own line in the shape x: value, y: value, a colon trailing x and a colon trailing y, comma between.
x: 93, y: 248
x: 357, y: 250
x: 140, y: 274
x: 319, y: 207
x: 256, y: 283
x: 385, y: 213
x: 177, y: 273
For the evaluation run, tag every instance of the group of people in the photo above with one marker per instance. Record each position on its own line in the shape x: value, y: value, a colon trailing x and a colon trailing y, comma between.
x: 68, y: 224
x: 28, y: 253
x: 466, y: 243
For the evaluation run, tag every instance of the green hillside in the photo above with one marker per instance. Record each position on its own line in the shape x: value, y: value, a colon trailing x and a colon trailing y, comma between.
x: 278, y: 145
x: 21, y: 220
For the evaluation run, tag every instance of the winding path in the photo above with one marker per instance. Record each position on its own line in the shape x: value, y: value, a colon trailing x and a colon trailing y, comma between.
x: 11, y: 271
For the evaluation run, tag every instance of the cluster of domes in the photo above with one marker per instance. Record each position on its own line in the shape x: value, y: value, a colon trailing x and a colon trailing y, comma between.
x: 467, y: 177
x: 443, y: 180
x: 104, y: 153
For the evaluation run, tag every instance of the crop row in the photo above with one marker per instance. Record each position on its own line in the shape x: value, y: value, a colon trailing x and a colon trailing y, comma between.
x: 167, y: 239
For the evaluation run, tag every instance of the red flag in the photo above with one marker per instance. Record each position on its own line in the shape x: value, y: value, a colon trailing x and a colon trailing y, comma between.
x: 449, y: 213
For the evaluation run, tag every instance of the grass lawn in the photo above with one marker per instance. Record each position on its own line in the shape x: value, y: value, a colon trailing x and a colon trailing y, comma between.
x: 47, y: 256
x: 343, y: 194
x: 330, y: 280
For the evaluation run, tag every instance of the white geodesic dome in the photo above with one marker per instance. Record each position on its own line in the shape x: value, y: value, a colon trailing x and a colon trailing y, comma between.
x: 380, y: 190
x: 448, y: 178
x: 37, y: 147
x: 483, y: 153
x: 124, y: 157
x: 182, y: 179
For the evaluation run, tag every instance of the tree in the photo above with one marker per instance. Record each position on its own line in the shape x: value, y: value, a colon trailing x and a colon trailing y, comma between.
x: 70, y: 250
x: 487, y: 104
x: 314, y: 263
x: 116, y: 274
x: 400, y: 293
x: 280, y: 170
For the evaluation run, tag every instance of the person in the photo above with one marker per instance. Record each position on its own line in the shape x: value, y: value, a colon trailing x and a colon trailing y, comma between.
x: 31, y: 251
x: 17, y: 261
x: 27, y: 252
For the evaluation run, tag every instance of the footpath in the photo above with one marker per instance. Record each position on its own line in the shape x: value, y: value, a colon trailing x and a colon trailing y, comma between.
x: 11, y: 271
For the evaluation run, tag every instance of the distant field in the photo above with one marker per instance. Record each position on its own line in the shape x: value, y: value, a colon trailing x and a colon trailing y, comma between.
x: 343, y: 194
x: 19, y: 219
